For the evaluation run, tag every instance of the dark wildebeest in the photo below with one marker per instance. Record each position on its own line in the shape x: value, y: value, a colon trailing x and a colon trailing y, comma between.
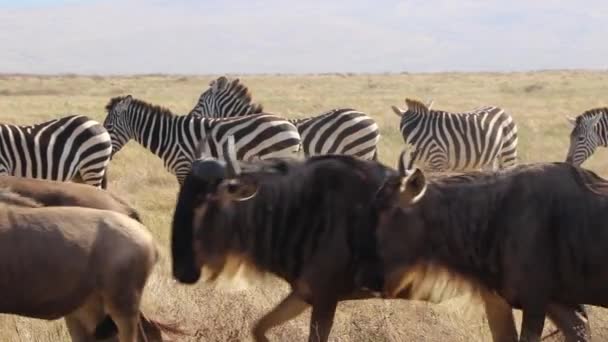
x: 73, y: 262
x: 308, y: 222
x: 569, y: 319
x: 55, y: 193
x: 533, y: 234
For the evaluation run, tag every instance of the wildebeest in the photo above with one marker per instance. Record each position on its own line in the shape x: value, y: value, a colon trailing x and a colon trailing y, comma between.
x: 54, y: 193
x: 73, y: 262
x: 534, y: 234
x: 308, y: 222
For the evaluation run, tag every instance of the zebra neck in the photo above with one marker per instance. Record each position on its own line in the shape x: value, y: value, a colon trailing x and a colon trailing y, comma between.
x: 411, y: 119
x: 161, y: 133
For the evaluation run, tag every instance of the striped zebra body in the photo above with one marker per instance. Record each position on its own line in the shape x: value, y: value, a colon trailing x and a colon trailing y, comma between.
x: 339, y: 131
x: 590, y: 130
x: 175, y: 138
x: 60, y: 150
x: 441, y: 141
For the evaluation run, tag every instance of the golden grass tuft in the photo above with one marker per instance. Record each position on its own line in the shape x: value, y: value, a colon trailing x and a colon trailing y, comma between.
x: 538, y: 101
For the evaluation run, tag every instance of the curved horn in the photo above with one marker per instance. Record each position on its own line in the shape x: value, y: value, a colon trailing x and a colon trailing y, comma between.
x: 202, y: 152
x: 232, y: 163
x: 429, y: 104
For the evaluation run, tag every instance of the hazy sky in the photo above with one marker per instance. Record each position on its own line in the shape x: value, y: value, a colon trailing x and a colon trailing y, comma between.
x: 280, y: 36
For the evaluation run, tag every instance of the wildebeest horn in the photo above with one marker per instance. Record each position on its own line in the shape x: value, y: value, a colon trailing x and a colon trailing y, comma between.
x: 429, y: 104
x: 413, y: 187
x: 232, y: 164
x: 201, y: 151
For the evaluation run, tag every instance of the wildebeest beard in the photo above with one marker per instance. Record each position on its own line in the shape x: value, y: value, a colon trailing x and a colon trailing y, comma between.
x: 315, y: 214
x: 481, y: 226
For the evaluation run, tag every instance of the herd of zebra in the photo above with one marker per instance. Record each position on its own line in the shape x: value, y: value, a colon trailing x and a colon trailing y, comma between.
x: 77, y: 147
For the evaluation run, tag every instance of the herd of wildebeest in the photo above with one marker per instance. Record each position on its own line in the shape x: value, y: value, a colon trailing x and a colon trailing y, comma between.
x: 334, y: 225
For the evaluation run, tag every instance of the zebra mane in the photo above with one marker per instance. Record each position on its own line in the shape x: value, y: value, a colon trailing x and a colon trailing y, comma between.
x: 114, y: 101
x: 416, y: 106
x: 592, y: 112
x: 235, y: 89
x: 141, y: 103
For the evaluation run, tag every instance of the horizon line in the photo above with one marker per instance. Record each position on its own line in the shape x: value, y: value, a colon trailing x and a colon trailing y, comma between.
x: 265, y: 74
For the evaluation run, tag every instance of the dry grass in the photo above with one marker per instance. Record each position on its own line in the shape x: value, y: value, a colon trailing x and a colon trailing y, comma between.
x: 538, y: 101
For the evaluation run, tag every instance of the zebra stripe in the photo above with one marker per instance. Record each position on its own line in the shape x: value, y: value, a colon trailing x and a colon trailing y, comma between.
x: 175, y: 138
x: 590, y: 131
x: 339, y: 131
x: 59, y: 150
x: 443, y: 141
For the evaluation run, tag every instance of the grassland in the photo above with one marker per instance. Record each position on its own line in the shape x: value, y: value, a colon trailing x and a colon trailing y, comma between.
x: 538, y: 101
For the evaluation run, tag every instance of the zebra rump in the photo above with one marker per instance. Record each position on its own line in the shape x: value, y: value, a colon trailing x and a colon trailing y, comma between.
x: 61, y: 150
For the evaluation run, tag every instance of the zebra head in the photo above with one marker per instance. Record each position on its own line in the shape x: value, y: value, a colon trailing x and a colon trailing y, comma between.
x: 584, y: 138
x: 116, y: 121
x: 225, y: 98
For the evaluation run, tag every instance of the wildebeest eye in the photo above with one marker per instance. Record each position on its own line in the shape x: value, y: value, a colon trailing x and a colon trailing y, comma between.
x: 233, y: 187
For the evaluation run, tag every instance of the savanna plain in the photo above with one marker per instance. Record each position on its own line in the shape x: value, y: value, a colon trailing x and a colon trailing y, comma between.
x: 538, y: 101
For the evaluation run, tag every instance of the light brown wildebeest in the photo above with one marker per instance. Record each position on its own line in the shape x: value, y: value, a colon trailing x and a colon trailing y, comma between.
x: 73, y: 262
x: 55, y: 193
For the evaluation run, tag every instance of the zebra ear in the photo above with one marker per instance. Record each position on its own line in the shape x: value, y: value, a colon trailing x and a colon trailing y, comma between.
x: 571, y: 120
x: 397, y: 111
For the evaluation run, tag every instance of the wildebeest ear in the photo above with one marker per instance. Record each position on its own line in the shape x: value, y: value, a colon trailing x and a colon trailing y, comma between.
x: 397, y: 111
x: 240, y: 189
x: 412, y: 187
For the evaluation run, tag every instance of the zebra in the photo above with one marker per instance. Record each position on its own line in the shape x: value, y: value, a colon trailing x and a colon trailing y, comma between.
x: 338, y: 131
x: 443, y: 141
x: 175, y: 138
x: 74, y: 147
x: 590, y: 131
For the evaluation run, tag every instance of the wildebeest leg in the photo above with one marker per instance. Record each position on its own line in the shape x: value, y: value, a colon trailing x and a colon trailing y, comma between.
x: 322, y: 318
x: 77, y: 331
x: 289, y: 308
x: 123, y: 307
x: 571, y: 320
x: 500, y: 318
x: 532, y: 323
